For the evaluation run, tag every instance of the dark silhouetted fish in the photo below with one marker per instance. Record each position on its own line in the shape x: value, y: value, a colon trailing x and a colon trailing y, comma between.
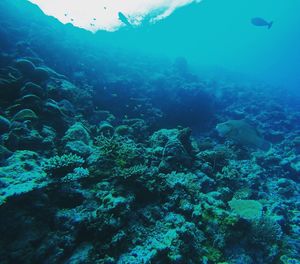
x: 260, y: 22
x: 243, y: 134
x: 124, y: 19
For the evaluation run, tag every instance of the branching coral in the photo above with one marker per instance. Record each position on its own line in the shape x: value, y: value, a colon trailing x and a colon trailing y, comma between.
x: 59, y: 166
x: 265, y: 231
x: 132, y: 172
x: 78, y: 173
x: 119, y: 151
x: 216, y: 159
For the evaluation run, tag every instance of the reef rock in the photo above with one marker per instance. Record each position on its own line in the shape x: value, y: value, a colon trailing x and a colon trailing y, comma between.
x: 32, y: 88
x: 25, y: 114
x: 20, y: 174
x: 174, y: 147
x: 26, y: 67
x: 77, y: 132
x: 40, y: 75
x: 4, y: 125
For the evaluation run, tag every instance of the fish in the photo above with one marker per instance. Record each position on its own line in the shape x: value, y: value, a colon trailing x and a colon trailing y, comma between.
x: 124, y: 19
x: 260, y: 22
x: 241, y: 133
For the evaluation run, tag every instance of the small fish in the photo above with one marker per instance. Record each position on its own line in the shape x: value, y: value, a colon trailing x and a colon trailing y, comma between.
x: 240, y: 132
x: 260, y: 22
x: 124, y: 19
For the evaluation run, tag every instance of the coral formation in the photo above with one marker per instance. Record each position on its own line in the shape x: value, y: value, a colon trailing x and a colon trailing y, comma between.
x: 248, y: 209
x: 58, y: 166
x: 113, y: 158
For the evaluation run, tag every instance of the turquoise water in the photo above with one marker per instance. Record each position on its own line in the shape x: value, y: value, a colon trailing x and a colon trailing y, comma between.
x: 219, y: 33
x: 168, y: 143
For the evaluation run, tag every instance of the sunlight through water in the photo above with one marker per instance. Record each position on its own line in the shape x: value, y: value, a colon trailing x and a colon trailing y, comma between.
x: 95, y: 15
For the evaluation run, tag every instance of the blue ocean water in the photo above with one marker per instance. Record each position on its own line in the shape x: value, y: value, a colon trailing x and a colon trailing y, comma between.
x: 168, y: 142
x: 218, y: 33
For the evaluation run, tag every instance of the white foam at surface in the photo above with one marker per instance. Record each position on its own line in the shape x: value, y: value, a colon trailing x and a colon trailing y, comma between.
x: 97, y: 15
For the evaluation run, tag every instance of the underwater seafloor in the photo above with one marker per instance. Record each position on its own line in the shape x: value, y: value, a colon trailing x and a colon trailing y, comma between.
x: 114, y: 158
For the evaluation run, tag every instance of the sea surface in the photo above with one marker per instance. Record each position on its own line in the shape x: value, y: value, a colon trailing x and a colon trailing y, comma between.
x: 168, y: 136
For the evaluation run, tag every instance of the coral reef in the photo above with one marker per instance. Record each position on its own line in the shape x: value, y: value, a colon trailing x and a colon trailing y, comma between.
x: 114, y: 158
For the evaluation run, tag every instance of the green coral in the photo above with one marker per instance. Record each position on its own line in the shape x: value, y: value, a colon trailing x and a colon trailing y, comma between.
x: 248, y: 209
x: 2, y: 200
x: 132, y: 172
x: 25, y: 114
x: 77, y: 174
x: 213, y: 254
x: 118, y: 151
x: 287, y: 260
x: 59, y: 166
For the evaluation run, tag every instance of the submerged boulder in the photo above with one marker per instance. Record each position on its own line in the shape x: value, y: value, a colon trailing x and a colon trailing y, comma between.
x: 54, y: 116
x: 40, y: 75
x: 21, y: 174
x: 31, y: 101
x: 79, y: 148
x: 4, y: 153
x: 26, y: 67
x: 4, y: 125
x: 9, y: 88
x: 175, y: 156
x: 106, y: 128
x: 25, y: 114
x: 174, y: 148
x: 77, y: 132
x: 23, y: 138
x: 67, y: 107
x: 32, y: 88
x: 52, y: 109
x: 61, y: 89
